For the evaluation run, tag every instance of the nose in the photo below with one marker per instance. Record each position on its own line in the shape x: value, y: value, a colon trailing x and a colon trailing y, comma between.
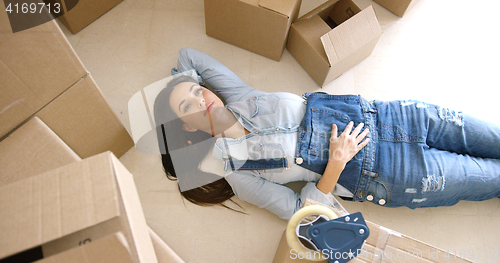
x: 201, y: 102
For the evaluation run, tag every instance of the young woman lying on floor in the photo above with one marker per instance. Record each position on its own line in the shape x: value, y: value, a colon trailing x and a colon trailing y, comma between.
x: 396, y: 153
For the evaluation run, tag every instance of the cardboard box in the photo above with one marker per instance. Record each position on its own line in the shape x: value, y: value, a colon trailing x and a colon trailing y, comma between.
x: 382, y: 245
x: 83, y: 119
x: 164, y: 253
x: 84, y: 13
x: 32, y: 149
x: 398, y: 7
x: 40, y: 74
x: 73, y: 205
x: 259, y: 26
x: 36, y: 65
x: 111, y: 249
x: 333, y: 38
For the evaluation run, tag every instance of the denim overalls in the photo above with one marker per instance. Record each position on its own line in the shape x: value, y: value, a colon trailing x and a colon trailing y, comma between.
x: 419, y: 155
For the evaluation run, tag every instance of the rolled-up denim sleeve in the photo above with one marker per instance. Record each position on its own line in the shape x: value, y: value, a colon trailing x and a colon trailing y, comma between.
x: 277, y: 198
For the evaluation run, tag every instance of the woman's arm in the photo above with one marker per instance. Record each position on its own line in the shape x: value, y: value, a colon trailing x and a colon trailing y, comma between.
x: 218, y: 76
x: 342, y: 149
x: 277, y: 198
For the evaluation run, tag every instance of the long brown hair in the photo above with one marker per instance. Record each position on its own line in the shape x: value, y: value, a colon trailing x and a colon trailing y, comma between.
x: 169, y: 125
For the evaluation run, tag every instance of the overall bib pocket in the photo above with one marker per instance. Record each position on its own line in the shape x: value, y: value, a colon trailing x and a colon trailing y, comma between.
x: 322, y: 121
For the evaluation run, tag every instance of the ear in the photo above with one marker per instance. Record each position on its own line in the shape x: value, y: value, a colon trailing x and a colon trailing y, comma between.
x: 188, y: 128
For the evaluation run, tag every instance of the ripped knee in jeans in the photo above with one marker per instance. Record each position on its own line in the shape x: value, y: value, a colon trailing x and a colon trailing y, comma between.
x: 432, y: 183
x: 451, y: 116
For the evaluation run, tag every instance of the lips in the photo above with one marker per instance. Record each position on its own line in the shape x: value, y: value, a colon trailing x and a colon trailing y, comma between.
x: 208, y: 108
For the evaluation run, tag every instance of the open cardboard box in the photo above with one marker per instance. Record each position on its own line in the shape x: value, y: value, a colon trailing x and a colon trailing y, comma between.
x: 72, y: 205
x: 259, y: 26
x: 333, y: 38
x: 382, y: 245
x: 398, y: 7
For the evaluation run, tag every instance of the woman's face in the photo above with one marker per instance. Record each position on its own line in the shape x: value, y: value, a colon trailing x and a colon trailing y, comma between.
x: 195, y: 105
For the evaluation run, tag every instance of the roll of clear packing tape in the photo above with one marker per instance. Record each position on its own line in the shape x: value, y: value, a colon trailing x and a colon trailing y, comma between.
x: 291, y: 234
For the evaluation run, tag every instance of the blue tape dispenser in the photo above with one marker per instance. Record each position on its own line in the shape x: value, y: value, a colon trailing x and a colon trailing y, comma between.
x: 326, y: 237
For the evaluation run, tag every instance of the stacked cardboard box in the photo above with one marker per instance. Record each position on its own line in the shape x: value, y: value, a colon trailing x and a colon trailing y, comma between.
x: 259, y: 26
x: 42, y: 76
x: 52, y: 202
x: 84, y: 12
x: 74, y: 205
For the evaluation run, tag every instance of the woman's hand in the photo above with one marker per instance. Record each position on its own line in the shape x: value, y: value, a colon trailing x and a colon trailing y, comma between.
x: 344, y: 147
x: 342, y: 150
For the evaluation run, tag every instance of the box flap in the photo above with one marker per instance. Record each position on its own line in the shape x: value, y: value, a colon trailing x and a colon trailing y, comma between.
x: 142, y: 249
x: 283, y: 7
x: 32, y: 149
x: 323, y: 10
x: 351, y: 35
x: 56, y: 203
x: 111, y: 249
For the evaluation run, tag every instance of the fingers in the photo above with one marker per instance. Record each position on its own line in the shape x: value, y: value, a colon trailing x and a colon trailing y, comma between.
x: 363, y: 144
x: 334, y: 132
x: 361, y: 136
x: 356, y: 134
x: 357, y: 130
x: 348, y: 129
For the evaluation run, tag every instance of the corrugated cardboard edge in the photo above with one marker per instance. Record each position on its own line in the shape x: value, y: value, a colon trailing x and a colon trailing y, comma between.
x: 56, y: 203
x: 284, y: 7
x: 33, y: 149
x: 134, y: 213
x: 111, y: 249
x: 164, y: 253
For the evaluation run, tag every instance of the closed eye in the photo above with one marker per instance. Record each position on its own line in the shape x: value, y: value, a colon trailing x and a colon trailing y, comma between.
x: 187, y: 108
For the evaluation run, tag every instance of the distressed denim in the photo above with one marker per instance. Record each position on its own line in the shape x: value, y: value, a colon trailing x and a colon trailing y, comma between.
x: 419, y: 155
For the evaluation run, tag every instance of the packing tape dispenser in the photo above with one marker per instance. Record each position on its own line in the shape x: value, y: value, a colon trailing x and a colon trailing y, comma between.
x: 326, y: 237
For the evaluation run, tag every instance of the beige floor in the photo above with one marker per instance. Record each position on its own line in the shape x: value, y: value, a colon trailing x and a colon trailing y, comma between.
x: 443, y: 51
